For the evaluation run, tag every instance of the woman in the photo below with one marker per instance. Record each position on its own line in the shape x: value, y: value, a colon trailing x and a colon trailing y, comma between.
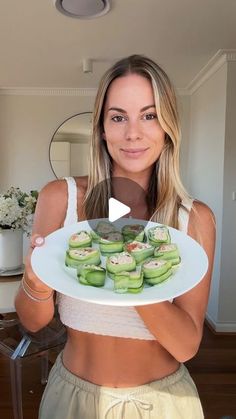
x: 125, y: 362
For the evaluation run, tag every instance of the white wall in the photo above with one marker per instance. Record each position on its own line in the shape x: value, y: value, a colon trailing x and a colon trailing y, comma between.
x: 184, y: 113
x: 211, y: 170
x: 27, y: 124
x: 227, y: 310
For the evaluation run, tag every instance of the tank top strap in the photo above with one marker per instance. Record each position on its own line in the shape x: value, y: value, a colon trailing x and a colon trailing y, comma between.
x: 71, y: 213
x: 184, y: 211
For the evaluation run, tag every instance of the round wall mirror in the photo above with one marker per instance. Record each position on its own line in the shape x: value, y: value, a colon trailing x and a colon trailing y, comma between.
x: 69, y: 147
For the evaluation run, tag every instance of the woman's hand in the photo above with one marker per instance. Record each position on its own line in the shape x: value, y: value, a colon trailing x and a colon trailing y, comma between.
x: 30, y: 277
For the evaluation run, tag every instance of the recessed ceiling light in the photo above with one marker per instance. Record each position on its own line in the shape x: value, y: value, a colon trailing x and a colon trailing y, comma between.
x: 83, y: 9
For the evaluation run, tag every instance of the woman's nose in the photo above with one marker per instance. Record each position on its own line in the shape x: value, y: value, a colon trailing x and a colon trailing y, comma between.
x: 133, y: 131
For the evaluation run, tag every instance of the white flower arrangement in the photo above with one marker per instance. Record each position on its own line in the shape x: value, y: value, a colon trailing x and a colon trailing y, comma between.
x: 17, y: 209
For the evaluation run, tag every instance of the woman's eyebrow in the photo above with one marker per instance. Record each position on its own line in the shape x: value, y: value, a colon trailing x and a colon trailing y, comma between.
x: 147, y: 107
x: 124, y: 111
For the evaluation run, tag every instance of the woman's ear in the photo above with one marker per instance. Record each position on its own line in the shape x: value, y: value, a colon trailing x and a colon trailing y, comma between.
x: 104, y: 136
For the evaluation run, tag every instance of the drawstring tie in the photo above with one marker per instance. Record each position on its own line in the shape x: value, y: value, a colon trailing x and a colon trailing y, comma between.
x: 122, y: 400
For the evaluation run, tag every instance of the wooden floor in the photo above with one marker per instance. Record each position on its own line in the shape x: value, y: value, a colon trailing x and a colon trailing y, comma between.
x: 213, y: 370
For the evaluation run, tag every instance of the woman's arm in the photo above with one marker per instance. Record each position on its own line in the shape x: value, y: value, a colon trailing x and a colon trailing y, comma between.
x: 178, y: 326
x: 49, y: 216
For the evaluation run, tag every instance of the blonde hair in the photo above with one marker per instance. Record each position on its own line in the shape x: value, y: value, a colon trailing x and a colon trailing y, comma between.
x: 166, y: 191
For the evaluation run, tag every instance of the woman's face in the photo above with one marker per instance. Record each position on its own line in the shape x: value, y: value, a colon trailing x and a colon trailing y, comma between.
x: 132, y: 131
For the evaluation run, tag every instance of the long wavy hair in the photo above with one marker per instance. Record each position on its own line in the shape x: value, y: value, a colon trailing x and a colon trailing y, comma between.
x: 166, y: 192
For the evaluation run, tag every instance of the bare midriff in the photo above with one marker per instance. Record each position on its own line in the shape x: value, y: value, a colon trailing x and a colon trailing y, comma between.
x: 116, y: 362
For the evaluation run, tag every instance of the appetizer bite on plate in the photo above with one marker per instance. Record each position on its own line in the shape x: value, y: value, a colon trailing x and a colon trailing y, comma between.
x: 80, y: 239
x: 168, y: 252
x: 86, y: 255
x: 156, y: 270
x: 120, y: 262
x: 128, y: 282
x: 158, y: 235
x: 101, y: 229
x: 91, y: 275
x: 111, y: 243
x: 140, y: 251
x: 133, y: 232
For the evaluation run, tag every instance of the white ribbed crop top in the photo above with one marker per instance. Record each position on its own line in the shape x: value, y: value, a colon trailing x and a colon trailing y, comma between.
x: 100, y: 319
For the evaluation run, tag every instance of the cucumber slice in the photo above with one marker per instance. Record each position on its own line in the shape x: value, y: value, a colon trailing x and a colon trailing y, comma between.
x: 110, y: 275
x: 168, y: 252
x: 92, y: 275
x: 83, y: 281
x: 158, y: 235
x: 155, y: 267
x: 102, y: 228
x: 96, y: 278
x: 135, y: 290
x: 140, y: 251
x: 128, y: 281
x: 95, y: 236
x: 70, y: 262
x: 87, y: 255
x: 158, y: 279
x: 111, y: 243
x: 120, y: 262
x: 133, y: 232
x: 121, y: 282
x: 80, y: 239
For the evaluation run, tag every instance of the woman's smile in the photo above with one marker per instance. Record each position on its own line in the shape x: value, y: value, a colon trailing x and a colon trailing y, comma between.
x: 134, y: 153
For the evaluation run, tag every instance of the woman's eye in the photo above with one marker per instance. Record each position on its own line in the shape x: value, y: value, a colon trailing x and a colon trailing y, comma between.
x: 118, y: 118
x: 150, y: 116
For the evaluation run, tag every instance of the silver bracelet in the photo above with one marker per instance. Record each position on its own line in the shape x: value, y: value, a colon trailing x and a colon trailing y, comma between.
x: 39, y: 300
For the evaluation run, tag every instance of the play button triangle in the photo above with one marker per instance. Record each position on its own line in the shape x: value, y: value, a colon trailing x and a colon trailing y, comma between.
x: 117, y: 209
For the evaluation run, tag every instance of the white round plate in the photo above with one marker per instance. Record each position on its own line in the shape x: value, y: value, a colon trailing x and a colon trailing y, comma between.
x: 48, y: 262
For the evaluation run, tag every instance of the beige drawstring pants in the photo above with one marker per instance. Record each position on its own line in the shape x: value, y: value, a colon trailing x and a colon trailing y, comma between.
x: 68, y: 397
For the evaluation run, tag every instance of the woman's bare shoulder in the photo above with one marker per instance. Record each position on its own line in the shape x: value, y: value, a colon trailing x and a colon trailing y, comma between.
x: 53, y: 196
x: 201, y: 220
x: 82, y: 183
x: 51, y: 207
x: 59, y: 186
x: 203, y: 211
x: 55, y: 188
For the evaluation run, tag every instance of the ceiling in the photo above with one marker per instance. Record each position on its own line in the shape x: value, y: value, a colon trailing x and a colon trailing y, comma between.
x: 39, y: 47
